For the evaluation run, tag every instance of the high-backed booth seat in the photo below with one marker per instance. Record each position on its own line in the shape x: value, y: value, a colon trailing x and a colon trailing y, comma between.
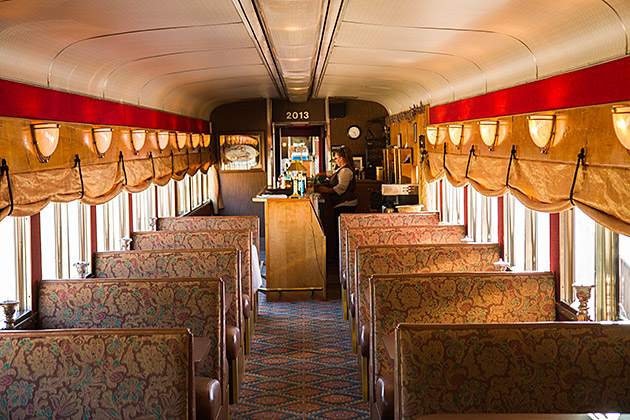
x: 195, y: 304
x: 221, y: 263
x: 444, y: 298
x: 251, y: 223
x: 410, y: 259
x: 355, y: 220
x: 390, y: 235
x: 512, y: 368
x: 97, y: 374
x: 209, y: 239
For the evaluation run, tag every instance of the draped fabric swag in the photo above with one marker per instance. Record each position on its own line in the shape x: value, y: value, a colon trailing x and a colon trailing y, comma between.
x: 542, y: 182
x: 31, y: 185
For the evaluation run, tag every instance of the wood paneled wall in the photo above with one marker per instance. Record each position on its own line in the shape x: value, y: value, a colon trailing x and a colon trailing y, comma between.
x: 238, y: 188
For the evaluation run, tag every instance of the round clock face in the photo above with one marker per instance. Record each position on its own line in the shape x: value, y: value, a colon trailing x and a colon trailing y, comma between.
x: 354, y: 132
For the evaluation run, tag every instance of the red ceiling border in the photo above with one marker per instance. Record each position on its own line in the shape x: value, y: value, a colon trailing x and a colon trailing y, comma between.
x: 604, y: 83
x: 20, y: 100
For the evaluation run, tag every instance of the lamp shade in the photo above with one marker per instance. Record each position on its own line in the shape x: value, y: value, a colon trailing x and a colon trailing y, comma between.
x: 102, y: 139
x: 456, y: 132
x: 433, y: 134
x: 182, y: 138
x: 163, y: 138
x: 45, y: 138
x: 206, y: 140
x: 489, y: 131
x: 296, y: 166
x: 137, y: 139
x: 621, y: 123
x: 542, y: 129
x: 194, y: 140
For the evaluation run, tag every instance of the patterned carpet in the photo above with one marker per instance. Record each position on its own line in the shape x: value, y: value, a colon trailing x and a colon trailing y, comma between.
x: 301, y: 365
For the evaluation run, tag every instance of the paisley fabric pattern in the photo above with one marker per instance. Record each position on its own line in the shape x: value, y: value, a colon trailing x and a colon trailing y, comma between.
x: 251, y: 223
x: 454, y: 298
x: 396, y: 235
x: 417, y: 259
x: 354, y: 220
x: 524, y: 368
x: 202, y: 239
x: 183, y: 263
x: 96, y: 374
x: 127, y: 303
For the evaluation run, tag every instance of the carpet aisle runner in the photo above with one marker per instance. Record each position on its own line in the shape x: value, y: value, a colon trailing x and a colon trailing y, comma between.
x: 301, y: 365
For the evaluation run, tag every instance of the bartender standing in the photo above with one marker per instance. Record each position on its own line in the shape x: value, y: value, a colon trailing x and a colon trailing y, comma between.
x: 341, y: 186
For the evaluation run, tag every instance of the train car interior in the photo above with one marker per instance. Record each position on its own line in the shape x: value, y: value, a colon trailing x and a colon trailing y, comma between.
x: 315, y: 209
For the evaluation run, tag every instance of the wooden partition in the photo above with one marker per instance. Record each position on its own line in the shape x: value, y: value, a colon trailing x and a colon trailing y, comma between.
x: 295, y: 250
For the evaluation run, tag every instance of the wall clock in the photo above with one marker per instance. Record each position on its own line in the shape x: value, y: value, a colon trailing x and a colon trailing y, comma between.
x: 354, y: 132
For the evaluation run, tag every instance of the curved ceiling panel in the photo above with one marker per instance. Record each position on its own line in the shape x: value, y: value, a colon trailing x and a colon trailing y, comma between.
x: 188, y: 56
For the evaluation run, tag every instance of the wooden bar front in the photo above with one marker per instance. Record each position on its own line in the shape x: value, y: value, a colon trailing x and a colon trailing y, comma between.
x: 295, y: 249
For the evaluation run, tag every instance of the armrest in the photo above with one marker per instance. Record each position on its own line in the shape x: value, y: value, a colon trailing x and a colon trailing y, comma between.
x: 208, y: 398
x: 247, y: 306
x: 364, y: 341
x: 353, y: 306
x: 384, y: 390
x: 232, y: 342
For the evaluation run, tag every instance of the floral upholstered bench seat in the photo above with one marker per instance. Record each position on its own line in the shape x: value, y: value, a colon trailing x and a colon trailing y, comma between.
x: 357, y: 220
x: 445, y: 298
x: 569, y: 367
x: 410, y: 259
x: 390, y: 235
x: 221, y: 263
x: 210, y: 239
x: 195, y: 304
x: 97, y: 374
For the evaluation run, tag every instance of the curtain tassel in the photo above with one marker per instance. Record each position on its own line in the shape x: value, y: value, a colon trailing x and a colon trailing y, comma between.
x: 470, y: 155
x: 77, y: 163
x: 512, y: 156
x: 121, y: 160
x: 172, y: 164
x: 4, y: 170
x: 580, y: 161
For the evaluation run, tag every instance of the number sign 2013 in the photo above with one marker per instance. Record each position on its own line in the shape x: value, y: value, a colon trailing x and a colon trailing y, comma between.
x: 297, y: 115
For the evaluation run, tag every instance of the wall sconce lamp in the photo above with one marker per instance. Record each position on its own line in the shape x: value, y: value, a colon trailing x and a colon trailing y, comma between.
x: 433, y: 133
x: 182, y: 138
x: 163, y: 138
x: 206, y: 140
x: 542, y: 128
x: 621, y: 122
x: 489, y: 131
x: 137, y: 139
x: 45, y: 139
x: 194, y: 140
x: 102, y: 139
x: 456, y: 133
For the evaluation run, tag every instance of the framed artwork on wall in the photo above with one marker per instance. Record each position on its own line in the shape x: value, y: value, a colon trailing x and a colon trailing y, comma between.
x: 241, y: 151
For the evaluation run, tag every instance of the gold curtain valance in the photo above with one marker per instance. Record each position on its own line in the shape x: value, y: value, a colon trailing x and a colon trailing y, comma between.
x: 543, y: 182
x: 30, y: 185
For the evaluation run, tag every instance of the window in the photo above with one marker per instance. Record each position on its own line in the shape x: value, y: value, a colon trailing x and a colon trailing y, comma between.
x: 65, y: 238
x: 166, y: 200
x: 112, y: 222
x: 453, y: 204
x: 143, y: 208
x: 15, y: 260
x: 183, y: 196
x: 432, y: 194
x: 594, y: 256
x: 483, y: 223
x: 527, y: 238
